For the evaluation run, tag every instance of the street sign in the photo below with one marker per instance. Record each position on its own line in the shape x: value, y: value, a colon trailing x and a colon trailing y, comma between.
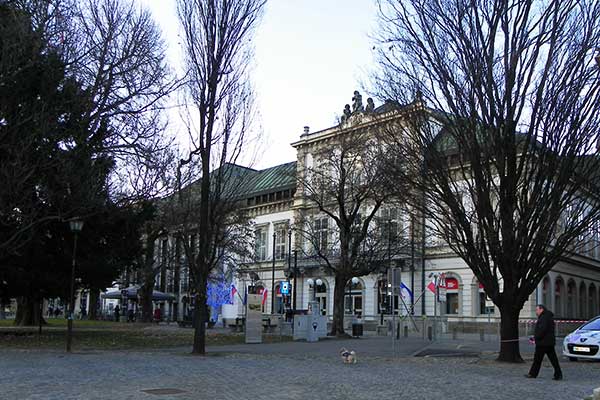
x: 285, y: 287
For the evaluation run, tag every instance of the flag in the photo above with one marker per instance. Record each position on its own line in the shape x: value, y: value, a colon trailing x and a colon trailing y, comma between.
x: 233, y: 292
x: 405, y: 292
x: 431, y: 285
x: 264, y: 299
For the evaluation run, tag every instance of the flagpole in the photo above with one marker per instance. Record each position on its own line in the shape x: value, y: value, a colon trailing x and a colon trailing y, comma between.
x: 408, y: 311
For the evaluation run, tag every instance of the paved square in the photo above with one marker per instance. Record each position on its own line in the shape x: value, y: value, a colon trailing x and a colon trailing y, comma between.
x: 282, y: 371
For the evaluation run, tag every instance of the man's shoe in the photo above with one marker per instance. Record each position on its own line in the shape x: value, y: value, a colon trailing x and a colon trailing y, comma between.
x: 557, y: 378
x: 529, y: 376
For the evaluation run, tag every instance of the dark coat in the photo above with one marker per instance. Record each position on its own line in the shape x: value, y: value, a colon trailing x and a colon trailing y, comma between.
x: 544, y: 329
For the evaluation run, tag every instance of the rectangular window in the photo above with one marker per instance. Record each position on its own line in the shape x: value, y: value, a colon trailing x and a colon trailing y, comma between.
x: 452, y: 303
x: 321, y: 233
x: 261, y: 244
x: 390, y: 220
x: 281, y: 238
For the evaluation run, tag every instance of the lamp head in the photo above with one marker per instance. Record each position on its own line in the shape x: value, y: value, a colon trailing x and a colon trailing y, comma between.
x: 76, y: 225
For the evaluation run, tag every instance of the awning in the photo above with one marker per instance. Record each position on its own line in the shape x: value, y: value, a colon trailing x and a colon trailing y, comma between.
x: 132, y: 293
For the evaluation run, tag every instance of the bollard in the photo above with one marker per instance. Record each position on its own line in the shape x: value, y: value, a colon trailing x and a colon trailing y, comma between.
x: 406, y: 331
x: 429, y: 333
x: 454, y: 333
x: 481, y: 335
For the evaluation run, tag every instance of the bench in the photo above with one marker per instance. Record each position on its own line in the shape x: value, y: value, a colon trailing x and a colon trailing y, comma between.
x: 238, y: 326
x: 185, y: 323
x: 268, y: 327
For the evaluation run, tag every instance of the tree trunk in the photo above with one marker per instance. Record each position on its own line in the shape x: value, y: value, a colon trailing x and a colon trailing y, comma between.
x: 146, y: 300
x: 28, y: 312
x: 93, y: 311
x: 147, y: 287
x: 337, y: 327
x: 200, y: 317
x: 509, y: 334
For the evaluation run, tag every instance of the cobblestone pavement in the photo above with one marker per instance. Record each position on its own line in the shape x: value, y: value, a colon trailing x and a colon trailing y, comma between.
x: 282, y: 371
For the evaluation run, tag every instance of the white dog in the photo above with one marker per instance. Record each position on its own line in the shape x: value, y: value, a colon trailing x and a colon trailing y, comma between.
x: 348, y: 357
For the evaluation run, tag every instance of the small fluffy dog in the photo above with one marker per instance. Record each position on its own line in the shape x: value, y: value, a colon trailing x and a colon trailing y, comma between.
x: 348, y: 357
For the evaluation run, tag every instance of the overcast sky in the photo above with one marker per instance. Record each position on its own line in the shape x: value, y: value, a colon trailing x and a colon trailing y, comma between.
x: 310, y: 56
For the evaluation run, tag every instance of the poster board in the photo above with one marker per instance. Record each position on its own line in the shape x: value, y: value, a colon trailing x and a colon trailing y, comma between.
x: 254, y: 318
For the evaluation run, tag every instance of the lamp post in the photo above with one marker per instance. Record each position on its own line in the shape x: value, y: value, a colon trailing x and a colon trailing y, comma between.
x: 295, y: 275
x: 76, y: 226
x: 273, y: 276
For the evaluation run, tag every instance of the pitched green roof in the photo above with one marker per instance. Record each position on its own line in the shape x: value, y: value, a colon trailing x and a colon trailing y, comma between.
x: 279, y: 177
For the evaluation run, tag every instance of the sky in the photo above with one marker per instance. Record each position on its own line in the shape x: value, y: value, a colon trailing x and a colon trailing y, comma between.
x: 310, y: 56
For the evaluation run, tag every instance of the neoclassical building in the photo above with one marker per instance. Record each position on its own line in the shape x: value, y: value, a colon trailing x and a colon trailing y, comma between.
x: 276, y: 205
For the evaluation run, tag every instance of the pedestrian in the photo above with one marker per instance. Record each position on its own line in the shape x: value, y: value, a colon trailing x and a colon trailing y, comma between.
x: 544, y: 343
x: 157, y: 316
x: 50, y: 311
x: 117, y: 311
x: 130, y: 312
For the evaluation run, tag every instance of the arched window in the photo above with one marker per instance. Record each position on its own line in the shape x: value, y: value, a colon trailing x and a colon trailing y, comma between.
x: 321, y: 296
x: 354, y: 297
x: 481, y: 299
x: 452, y: 295
x: 571, y: 289
x: 559, y: 288
x: 259, y: 289
x: 546, y: 291
x: 582, y: 300
x: 593, y: 301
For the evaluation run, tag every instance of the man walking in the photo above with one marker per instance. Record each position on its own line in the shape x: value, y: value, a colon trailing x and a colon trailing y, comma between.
x: 544, y: 343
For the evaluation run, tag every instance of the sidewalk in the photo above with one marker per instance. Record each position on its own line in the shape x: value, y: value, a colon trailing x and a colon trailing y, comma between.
x: 382, y: 347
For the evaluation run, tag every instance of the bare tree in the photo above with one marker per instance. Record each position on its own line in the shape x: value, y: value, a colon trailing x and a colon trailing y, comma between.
x: 216, y: 36
x: 113, y: 49
x: 340, y: 219
x: 508, y: 159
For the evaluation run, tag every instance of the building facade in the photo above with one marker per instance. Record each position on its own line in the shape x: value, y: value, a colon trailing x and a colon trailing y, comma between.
x: 276, y: 203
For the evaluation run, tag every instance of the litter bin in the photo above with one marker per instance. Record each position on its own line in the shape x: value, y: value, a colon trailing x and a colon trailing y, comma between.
x: 357, y: 328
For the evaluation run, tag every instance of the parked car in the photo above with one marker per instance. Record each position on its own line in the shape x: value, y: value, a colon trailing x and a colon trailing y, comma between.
x: 584, y: 342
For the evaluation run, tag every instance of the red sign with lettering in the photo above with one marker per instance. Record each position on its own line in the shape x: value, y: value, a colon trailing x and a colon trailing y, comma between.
x: 451, y: 284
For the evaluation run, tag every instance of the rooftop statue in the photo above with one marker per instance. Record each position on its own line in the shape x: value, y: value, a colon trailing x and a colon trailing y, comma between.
x: 370, y: 105
x: 357, y: 102
x: 346, y: 113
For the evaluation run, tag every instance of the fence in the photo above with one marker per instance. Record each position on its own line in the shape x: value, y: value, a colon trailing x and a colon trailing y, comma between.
x: 471, y: 328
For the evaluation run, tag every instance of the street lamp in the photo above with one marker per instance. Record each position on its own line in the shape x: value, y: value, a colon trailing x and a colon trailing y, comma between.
x: 273, y: 276
x: 311, y: 283
x: 76, y: 226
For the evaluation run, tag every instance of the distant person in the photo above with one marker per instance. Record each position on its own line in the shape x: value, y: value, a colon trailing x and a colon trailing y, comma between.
x: 157, y: 315
x: 544, y: 343
x: 56, y: 312
x: 130, y: 313
x: 50, y: 311
x: 83, y: 312
x: 117, y: 312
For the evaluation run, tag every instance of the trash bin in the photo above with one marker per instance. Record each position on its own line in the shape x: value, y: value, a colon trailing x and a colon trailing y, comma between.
x: 357, y: 328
